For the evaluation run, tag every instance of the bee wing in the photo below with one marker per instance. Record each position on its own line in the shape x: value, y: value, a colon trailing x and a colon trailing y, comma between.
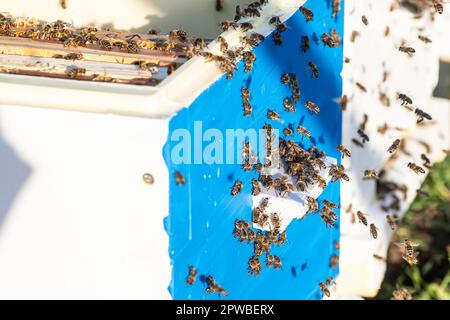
x: 401, y: 245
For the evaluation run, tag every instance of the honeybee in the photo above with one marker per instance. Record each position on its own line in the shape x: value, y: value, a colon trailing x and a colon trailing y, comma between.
x: 74, y: 72
x: 394, y: 146
x: 392, y: 221
x: 304, y: 43
x: 408, y: 252
x: 179, y: 178
x: 288, y: 106
x: 401, y: 294
x: 330, y: 41
x: 362, y: 217
x: 336, y: 5
x: 324, y: 289
x: 285, y: 78
x: 307, y: 13
x: 387, y: 31
x: 343, y: 101
x: 282, y: 27
x: 213, y: 287
x: 438, y: 6
x: 373, y: 231
x: 424, y: 39
x: 281, y: 239
x: 361, y: 86
x: 363, y: 135
x: 192, y: 275
x: 303, y: 131
x: 344, y: 151
x: 276, y: 262
x: 338, y: 173
x: 248, y: 108
x: 287, y: 132
x: 404, y: 99
x: 254, y: 266
x: 421, y: 115
x: 365, y: 20
x: 219, y: 5
x: 269, y: 260
x: 426, y: 161
x: 330, y: 204
x: 237, y: 188
x: 314, y: 108
x: 105, y: 44
x: 314, y: 70
x: 414, y: 167
x: 334, y: 261
x: 354, y: 35
x: 312, y: 204
x: 245, y: 26
x: 370, y: 174
x: 63, y: 4
x: 408, y: 50
x: 277, y: 38
x: 272, y: 115
x: 227, y: 24
x: 148, y: 178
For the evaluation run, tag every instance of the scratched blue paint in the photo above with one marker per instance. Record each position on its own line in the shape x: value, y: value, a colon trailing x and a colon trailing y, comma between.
x: 202, y: 212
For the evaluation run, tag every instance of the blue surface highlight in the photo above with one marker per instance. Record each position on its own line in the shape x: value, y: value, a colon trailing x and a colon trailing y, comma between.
x: 202, y: 212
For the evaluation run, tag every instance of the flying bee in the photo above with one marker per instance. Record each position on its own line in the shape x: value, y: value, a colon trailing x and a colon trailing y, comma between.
x: 408, y: 50
x: 277, y: 38
x: 363, y: 135
x: 354, y: 35
x: 365, y: 20
x: 401, y: 294
x: 404, y: 99
x: 330, y: 204
x: 362, y: 217
x: 394, y: 146
x: 414, y: 167
x: 314, y: 108
x: 314, y: 70
x: 63, y: 4
x: 288, y: 106
x: 426, y: 161
x: 421, y: 115
x: 373, y: 231
x: 392, y: 221
x: 272, y: 115
x: 336, y: 5
x: 237, y: 188
x: 303, y: 131
x: 345, y: 152
x: 307, y: 13
x: 324, y: 289
x: 387, y: 31
x: 370, y: 174
x: 343, y: 102
x: 179, y: 178
x: 424, y: 39
x: 219, y: 5
x: 361, y: 87
x: 192, y: 275
x: 438, y: 6
x: 304, y: 43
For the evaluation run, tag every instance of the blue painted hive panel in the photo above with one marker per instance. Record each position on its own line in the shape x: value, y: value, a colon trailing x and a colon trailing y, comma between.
x: 203, y: 212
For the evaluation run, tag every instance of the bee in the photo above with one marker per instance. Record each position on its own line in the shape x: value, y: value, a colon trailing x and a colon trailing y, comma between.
x: 347, y: 60
x: 304, y: 44
x: 213, y: 287
x: 343, y: 102
x: 421, y: 115
x: 354, y: 35
x: 227, y: 24
x: 438, y: 6
x: 426, y: 161
x: 248, y: 108
x: 329, y: 41
x: 254, y: 266
x: 285, y: 78
x: 401, y: 294
x: 249, y: 59
x: 75, y: 72
x: 392, y: 221
x: 365, y: 20
x: 307, y: 13
x: 324, y: 289
x: 408, y: 50
x: 363, y: 135
x: 245, y: 26
x: 373, y: 231
x: 314, y: 70
x: 277, y: 38
x: 282, y: 27
x: 275, y: 20
x: 288, y: 106
x: 338, y: 173
x: 330, y: 204
x: 358, y: 143
x: 370, y: 174
x: 272, y: 115
x: 281, y: 239
x: 362, y: 217
x: 219, y: 5
x: 414, y: 167
x: 394, y: 146
x: 237, y: 188
x: 303, y: 131
x: 223, y: 43
x: 179, y: 178
x: 344, y: 151
x: 408, y: 252
x: 256, y: 189
x: 269, y: 260
x: 192, y: 275
x: 276, y: 262
x: 404, y: 99
x: 148, y: 178
x: 424, y: 39
x: 245, y: 93
x: 314, y: 108
x: 336, y: 245
x: 361, y: 87
x: 334, y: 261
x: 336, y: 5
x: 63, y: 4
x: 105, y: 44
x: 287, y: 132
x: 312, y: 204
x: 387, y: 31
